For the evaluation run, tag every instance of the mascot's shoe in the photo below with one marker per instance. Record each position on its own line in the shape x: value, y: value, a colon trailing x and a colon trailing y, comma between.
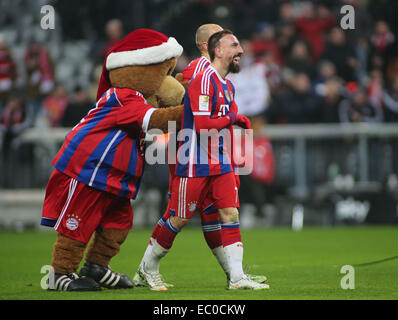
x: 72, y: 282
x: 105, y: 277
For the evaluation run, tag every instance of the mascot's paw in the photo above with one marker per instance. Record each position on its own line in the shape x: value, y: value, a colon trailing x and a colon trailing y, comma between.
x: 72, y: 282
x: 105, y: 276
x: 180, y: 78
x: 170, y: 93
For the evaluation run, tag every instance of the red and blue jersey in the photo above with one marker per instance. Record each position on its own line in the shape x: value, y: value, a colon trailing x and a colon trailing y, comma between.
x: 189, y: 72
x: 207, y: 101
x: 105, y: 149
x: 194, y: 67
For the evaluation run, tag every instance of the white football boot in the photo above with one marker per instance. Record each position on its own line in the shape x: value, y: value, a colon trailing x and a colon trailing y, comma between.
x: 139, y: 281
x: 153, y: 279
x: 246, y: 284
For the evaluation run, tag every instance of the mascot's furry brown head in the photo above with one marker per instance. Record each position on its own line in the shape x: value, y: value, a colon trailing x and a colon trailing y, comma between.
x: 144, y: 61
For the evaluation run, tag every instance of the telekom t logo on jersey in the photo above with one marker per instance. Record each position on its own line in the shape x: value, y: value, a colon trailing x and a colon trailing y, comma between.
x: 224, y: 108
x: 237, y: 147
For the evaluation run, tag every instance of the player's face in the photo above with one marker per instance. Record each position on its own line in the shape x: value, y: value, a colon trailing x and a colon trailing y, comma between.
x: 231, y: 52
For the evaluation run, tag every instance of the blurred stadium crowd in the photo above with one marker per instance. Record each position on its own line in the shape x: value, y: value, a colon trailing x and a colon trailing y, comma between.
x: 299, y: 65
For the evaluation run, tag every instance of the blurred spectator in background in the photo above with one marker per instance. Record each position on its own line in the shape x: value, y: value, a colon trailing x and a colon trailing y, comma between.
x: 298, y: 104
x: 312, y: 25
x: 376, y: 88
x: 254, y: 188
x: 95, y: 79
x: 356, y: 107
x: 252, y: 93
x: 299, y: 59
x: 272, y: 72
x: 390, y: 101
x: 14, y: 118
x: 391, y: 71
x: 381, y: 37
x: 286, y: 14
x: 265, y: 41
x: 331, y: 93
x: 286, y: 36
x: 286, y: 31
x: 341, y: 54
x: 78, y: 106
x: 40, y: 74
x: 113, y: 33
x: 326, y: 70
x: 383, y: 46
x: 53, y: 107
x: 8, y: 71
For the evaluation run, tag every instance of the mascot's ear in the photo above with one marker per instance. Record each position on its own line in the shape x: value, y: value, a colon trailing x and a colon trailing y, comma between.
x: 180, y: 79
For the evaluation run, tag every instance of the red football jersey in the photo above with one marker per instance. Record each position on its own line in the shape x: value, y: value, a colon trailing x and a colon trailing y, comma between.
x: 105, y: 150
x: 207, y: 101
x: 194, y: 67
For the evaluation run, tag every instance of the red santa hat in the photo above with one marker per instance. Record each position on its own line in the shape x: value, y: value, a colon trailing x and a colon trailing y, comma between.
x: 140, y: 47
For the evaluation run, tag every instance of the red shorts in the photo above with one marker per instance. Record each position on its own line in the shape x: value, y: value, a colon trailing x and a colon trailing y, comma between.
x: 189, y: 193
x: 76, y: 210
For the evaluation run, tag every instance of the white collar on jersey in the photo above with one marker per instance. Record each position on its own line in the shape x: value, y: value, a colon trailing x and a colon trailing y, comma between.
x: 218, y: 75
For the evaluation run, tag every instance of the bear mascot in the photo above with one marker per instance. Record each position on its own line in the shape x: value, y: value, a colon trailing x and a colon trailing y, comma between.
x: 98, y: 168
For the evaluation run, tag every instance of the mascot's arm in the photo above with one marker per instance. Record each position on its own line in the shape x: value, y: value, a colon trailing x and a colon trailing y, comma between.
x: 162, y: 116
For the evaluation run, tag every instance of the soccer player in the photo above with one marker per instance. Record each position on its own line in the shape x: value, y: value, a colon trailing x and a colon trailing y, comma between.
x: 210, y: 219
x: 209, y: 104
x: 202, y: 35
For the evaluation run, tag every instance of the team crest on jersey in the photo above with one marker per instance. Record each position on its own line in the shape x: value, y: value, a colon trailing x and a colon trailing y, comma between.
x: 192, y: 206
x: 72, y: 223
x: 227, y: 95
x: 203, y: 103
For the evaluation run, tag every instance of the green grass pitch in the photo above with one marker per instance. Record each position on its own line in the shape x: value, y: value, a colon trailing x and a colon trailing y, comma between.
x: 299, y: 265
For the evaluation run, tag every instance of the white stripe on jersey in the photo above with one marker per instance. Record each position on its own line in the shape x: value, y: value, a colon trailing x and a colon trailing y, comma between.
x: 205, y: 84
x: 192, y: 152
x: 103, y: 157
x: 197, y: 68
x: 201, y: 65
x: 182, y: 195
x: 72, y: 187
x: 201, y: 113
x: 211, y: 227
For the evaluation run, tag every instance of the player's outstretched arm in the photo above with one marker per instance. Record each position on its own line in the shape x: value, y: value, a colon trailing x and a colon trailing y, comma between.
x: 204, y: 122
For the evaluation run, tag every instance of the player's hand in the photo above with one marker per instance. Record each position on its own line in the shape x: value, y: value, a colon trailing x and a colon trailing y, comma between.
x: 243, y: 122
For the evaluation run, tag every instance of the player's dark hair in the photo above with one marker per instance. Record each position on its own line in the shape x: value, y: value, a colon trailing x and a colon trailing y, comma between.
x: 214, y: 42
